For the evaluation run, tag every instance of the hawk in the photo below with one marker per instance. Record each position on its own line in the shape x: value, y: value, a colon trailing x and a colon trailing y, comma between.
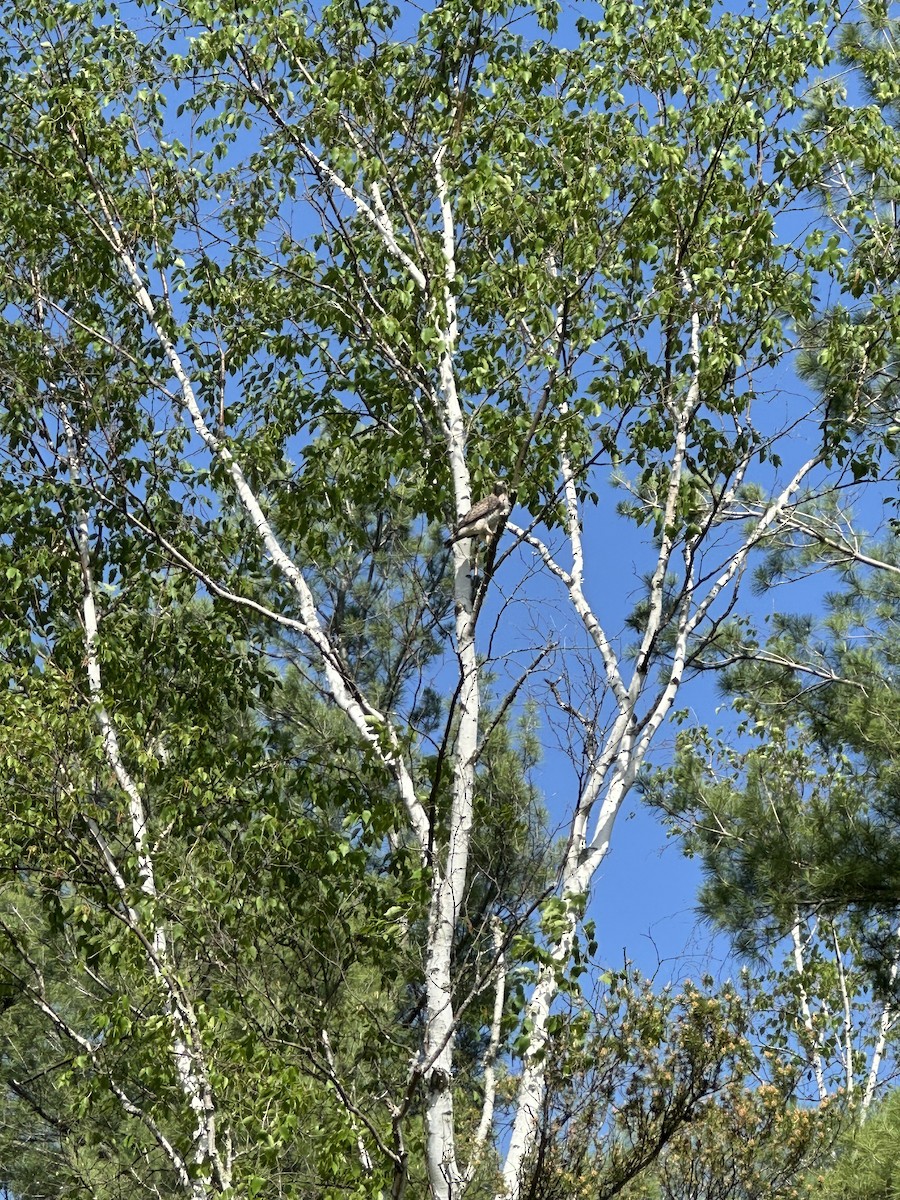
x: 484, y: 518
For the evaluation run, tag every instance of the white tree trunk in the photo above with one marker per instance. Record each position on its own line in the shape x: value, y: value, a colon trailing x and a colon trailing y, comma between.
x: 628, y: 741
x: 450, y: 863
x: 186, y: 1050
x: 815, y: 1036
x: 885, y: 1023
x: 640, y: 705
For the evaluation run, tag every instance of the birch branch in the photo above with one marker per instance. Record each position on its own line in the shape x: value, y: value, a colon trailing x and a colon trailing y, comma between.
x: 493, y: 1050
x: 185, y: 1036
x: 847, y: 1054
x: 773, y: 513
x: 806, y: 524
x: 350, y: 1108
x: 624, y: 752
x: 576, y: 590
x: 682, y: 415
x: 374, y: 727
x: 447, y: 323
x: 759, y: 654
x: 37, y: 997
x: 375, y: 214
x: 888, y: 1016
x: 573, y: 580
x: 815, y: 1037
x: 589, y: 620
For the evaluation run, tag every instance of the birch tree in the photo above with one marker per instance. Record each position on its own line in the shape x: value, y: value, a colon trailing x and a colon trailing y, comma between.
x: 793, y: 813
x: 275, y: 277
x: 772, y: 823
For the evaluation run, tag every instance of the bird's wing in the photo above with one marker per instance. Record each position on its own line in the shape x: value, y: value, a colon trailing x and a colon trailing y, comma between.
x: 482, y: 509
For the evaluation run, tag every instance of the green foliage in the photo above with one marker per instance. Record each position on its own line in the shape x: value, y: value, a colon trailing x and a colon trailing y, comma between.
x: 287, y: 910
x: 821, y: 758
x: 239, y: 215
x: 650, y: 1096
x: 866, y: 1167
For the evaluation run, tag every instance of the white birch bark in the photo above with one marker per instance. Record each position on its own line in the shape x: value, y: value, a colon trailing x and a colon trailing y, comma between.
x: 814, y: 1035
x: 35, y: 992
x: 847, y: 1010
x: 885, y: 1023
x: 498, y: 976
x: 450, y: 863
x: 373, y: 726
x: 616, y: 767
x: 186, y: 1049
x: 640, y: 706
x: 620, y: 758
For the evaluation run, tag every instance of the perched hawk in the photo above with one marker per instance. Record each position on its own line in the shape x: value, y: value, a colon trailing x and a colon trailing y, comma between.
x: 483, y: 518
